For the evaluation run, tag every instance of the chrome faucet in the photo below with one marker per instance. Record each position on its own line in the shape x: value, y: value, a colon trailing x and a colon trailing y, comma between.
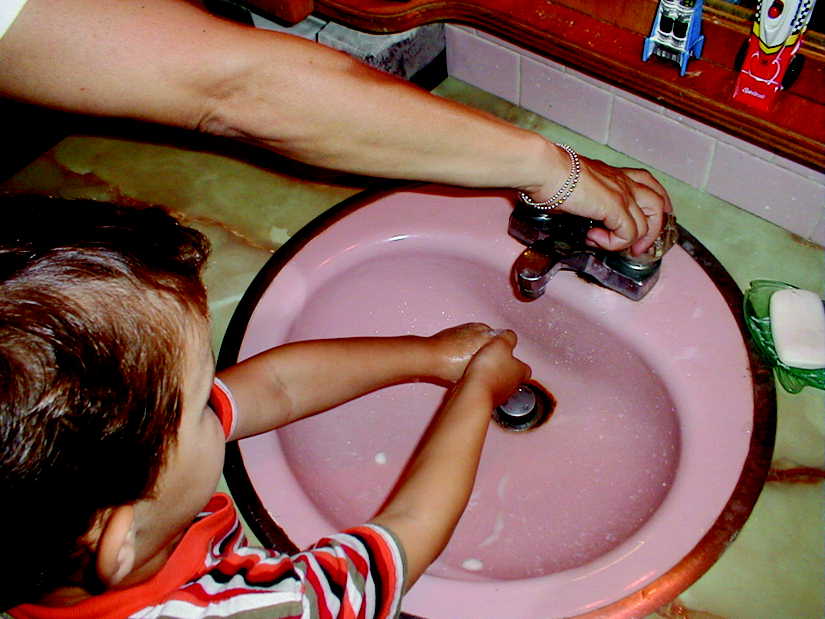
x: 556, y: 241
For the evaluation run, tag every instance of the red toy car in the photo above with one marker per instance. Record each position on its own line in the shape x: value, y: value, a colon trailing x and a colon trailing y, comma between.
x: 768, y: 62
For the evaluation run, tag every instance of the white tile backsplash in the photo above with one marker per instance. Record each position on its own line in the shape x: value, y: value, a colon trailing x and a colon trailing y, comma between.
x: 770, y: 191
x: 654, y: 138
x: 549, y: 92
x: 483, y: 63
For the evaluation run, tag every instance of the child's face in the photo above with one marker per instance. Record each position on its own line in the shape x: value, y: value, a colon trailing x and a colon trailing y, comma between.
x: 193, y: 466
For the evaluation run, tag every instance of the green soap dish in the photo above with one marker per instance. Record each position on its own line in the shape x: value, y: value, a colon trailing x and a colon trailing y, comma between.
x: 758, y: 318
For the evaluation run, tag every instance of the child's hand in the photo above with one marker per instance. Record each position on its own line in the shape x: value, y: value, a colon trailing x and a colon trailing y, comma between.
x: 455, y: 347
x: 427, y: 503
x: 496, y: 369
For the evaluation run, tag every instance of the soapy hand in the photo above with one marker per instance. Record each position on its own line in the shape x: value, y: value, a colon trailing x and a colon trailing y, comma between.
x: 630, y: 203
x: 455, y: 347
x: 496, y: 368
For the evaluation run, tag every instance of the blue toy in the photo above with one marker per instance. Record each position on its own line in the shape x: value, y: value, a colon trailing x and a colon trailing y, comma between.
x: 676, y: 32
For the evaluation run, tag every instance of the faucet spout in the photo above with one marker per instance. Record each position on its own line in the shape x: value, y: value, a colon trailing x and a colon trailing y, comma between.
x: 533, y: 269
x: 537, y: 264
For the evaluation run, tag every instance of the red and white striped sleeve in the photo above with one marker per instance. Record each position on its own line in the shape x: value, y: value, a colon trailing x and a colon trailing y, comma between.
x: 357, y: 573
x: 222, y: 402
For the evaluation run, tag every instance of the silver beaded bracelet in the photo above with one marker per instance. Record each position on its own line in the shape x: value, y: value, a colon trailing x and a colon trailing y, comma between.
x: 566, y: 190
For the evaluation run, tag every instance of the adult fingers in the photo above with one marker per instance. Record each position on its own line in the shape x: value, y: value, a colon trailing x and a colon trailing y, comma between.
x: 620, y: 222
x: 643, y: 177
x: 654, y: 202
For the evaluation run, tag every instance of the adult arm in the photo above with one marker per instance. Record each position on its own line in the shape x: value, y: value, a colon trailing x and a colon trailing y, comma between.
x: 171, y: 62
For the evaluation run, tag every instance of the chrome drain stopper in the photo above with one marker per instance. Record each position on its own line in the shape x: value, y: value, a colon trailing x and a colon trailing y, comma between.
x: 528, y: 407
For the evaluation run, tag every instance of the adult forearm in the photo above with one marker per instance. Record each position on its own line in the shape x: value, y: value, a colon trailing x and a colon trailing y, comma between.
x: 141, y: 60
x: 322, y: 107
x: 170, y: 62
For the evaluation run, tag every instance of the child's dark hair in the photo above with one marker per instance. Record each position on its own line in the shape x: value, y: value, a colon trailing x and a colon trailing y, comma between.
x: 95, y: 300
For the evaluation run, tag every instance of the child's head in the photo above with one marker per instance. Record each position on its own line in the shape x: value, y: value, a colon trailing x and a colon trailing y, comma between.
x: 102, y: 327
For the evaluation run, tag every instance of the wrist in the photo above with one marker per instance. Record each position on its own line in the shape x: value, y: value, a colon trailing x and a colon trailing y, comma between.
x: 474, y: 393
x: 441, y: 361
x: 428, y: 360
x: 565, y: 190
x: 549, y: 166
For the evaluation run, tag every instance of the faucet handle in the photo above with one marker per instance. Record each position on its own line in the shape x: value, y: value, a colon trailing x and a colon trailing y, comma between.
x: 667, y: 238
x: 557, y: 242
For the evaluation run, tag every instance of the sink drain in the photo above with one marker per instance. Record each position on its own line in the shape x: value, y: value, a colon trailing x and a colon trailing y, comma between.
x: 527, y: 408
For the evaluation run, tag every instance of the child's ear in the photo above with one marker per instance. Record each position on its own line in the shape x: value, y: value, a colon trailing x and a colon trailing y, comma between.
x: 116, y: 546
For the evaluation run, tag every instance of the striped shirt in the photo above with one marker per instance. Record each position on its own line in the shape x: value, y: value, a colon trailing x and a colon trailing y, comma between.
x: 356, y: 574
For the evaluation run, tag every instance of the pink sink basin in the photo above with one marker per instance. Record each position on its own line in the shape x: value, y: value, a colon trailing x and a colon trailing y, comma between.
x: 651, y: 463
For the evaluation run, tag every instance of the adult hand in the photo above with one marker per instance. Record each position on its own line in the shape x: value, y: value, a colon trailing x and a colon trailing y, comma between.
x: 630, y: 203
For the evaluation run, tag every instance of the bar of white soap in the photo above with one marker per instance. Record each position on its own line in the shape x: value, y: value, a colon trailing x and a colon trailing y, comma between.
x: 798, y: 328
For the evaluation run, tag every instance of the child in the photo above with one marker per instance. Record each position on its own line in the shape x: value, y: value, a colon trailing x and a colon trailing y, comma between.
x: 113, y: 426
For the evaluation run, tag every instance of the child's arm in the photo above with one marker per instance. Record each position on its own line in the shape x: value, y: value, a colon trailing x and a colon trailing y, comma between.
x: 426, y: 505
x: 295, y: 380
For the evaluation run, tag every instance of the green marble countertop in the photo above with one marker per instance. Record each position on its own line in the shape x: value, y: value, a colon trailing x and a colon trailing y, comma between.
x: 250, y: 206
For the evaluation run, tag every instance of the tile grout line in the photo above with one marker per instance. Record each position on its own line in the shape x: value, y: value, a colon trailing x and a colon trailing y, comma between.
x: 708, y: 166
x: 609, y: 128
